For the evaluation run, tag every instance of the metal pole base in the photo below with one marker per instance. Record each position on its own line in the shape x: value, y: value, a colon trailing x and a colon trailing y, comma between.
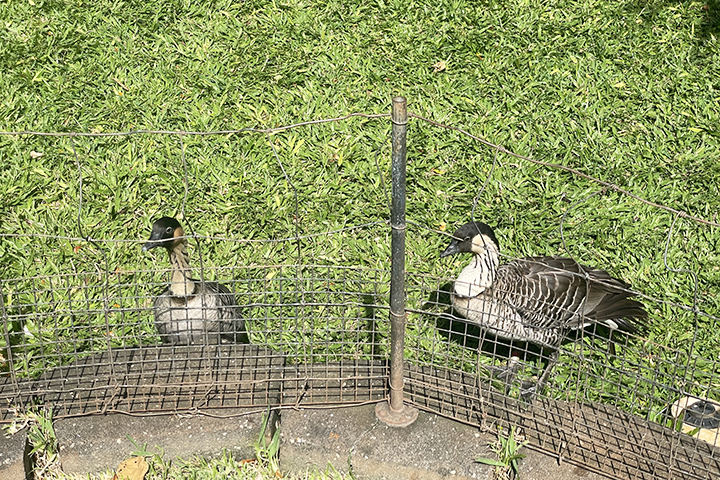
x: 402, y: 418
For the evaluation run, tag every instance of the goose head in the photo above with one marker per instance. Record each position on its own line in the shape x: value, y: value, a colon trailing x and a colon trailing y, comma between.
x: 473, y: 237
x: 166, y: 232
x: 479, y: 275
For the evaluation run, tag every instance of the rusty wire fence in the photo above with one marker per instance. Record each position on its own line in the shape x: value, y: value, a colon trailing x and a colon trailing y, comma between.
x: 77, y: 305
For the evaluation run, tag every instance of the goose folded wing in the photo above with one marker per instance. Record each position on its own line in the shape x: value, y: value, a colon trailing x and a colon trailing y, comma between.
x: 549, y: 293
x: 557, y: 292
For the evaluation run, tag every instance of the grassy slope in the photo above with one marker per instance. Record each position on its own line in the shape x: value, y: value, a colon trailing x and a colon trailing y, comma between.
x: 625, y: 91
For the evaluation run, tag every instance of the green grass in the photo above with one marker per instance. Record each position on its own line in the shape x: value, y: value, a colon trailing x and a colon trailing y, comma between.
x: 506, y: 449
x: 223, y: 467
x: 623, y: 91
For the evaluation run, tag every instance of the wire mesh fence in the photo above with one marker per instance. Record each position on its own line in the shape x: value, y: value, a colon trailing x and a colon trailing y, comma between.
x: 304, y: 245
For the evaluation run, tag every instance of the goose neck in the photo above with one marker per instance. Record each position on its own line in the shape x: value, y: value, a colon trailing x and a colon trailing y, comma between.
x: 180, y: 285
x: 487, y: 263
x: 479, y: 275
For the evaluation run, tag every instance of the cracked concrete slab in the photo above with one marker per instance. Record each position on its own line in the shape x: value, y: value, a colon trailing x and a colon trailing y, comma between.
x: 349, y: 439
x: 432, y: 448
x: 96, y: 443
x: 11, y: 455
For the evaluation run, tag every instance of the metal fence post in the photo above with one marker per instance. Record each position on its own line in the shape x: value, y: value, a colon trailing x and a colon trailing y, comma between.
x: 394, y: 412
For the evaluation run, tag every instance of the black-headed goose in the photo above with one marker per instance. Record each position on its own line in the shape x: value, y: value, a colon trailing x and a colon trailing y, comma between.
x: 191, y: 311
x: 536, y: 299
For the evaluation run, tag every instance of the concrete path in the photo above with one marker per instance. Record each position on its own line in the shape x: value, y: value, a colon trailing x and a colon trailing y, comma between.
x: 348, y: 438
x: 432, y: 448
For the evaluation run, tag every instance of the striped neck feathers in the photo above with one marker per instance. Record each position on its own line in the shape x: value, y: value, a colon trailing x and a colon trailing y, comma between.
x: 180, y: 284
x: 479, y: 274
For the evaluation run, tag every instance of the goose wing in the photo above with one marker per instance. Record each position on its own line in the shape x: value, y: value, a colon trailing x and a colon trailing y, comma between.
x: 230, y: 314
x: 558, y: 292
x: 220, y: 297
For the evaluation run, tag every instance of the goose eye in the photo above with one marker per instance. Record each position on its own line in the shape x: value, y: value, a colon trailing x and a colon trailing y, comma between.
x: 169, y: 230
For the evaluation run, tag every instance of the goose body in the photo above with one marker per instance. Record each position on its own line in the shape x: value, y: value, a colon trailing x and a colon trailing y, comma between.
x: 536, y: 299
x: 192, y: 311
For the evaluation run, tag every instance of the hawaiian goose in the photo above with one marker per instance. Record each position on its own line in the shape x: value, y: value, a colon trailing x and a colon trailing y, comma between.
x: 536, y: 299
x: 191, y: 311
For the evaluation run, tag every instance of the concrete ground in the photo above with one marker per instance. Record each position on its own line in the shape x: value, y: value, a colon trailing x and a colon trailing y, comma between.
x: 348, y: 438
x: 431, y: 448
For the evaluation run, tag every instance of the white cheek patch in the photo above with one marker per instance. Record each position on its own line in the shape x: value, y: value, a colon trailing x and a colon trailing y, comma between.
x: 481, y: 244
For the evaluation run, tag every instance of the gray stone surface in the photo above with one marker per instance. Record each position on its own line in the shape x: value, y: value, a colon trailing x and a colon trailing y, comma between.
x: 97, y: 443
x: 431, y: 448
x: 11, y: 456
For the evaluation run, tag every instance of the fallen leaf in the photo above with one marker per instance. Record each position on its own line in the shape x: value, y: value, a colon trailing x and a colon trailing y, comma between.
x: 439, y: 66
x: 34, y: 154
x: 133, y: 468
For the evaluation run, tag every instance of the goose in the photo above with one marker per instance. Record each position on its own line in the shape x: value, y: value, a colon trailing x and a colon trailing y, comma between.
x: 191, y: 311
x: 537, y: 300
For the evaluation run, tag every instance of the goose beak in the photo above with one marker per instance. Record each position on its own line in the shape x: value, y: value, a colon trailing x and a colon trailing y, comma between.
x: 156, y: 240
x: 150, y: 245
x: 452, y: 249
